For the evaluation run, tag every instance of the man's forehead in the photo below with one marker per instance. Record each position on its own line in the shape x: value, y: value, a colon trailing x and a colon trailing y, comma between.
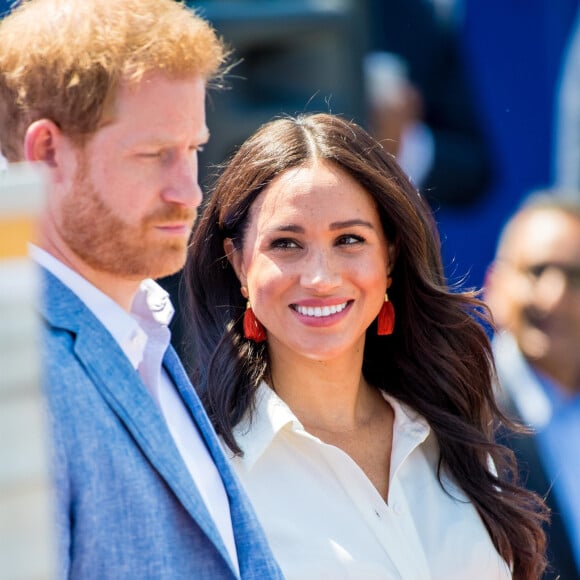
x: 546, y: 229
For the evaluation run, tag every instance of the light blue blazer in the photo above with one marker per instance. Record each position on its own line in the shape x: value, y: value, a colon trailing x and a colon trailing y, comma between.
x: 126, y: 506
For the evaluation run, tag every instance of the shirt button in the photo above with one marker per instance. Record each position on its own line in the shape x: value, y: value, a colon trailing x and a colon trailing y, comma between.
x: 377, y: 513
x: 397, y: 508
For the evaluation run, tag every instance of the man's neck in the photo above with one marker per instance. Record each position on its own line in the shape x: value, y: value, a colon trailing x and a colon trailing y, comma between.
x: 121, y: 290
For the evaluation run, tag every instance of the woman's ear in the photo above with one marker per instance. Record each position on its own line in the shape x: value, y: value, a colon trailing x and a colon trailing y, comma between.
x: 234, y: 257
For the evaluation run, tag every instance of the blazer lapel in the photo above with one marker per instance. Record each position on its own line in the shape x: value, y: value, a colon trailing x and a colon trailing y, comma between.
x: 122, y: 388
x: 249, y: 535
x: 188, y: 394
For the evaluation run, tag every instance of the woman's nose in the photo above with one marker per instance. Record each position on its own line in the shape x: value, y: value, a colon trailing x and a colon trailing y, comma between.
x: 320, y: 271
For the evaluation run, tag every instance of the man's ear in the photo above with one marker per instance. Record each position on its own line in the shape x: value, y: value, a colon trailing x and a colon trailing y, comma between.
x: 234, y: 257
x: 45, y: 143
x: 40, y: 141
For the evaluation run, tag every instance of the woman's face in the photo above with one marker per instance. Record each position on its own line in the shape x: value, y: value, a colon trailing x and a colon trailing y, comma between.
x: 315, y: 262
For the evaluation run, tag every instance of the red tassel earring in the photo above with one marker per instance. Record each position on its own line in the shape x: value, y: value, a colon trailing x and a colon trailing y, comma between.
x: 386, y: 322
x: 253, y: 329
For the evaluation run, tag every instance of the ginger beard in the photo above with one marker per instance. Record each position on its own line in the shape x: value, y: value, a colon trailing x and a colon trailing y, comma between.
x: 108, y: 243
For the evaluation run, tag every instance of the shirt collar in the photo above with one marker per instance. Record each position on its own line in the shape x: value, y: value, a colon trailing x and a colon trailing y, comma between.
x: 152, y: 303
x: 256, y: 431
x: 410, y: 429
x: 150, y: 310
x: 271, y: 415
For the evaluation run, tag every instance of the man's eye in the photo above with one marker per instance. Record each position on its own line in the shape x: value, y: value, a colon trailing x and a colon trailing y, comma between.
x: 163, y: 155
x: 537, y: 270
x: 570, y: 272
x: 154, y: 155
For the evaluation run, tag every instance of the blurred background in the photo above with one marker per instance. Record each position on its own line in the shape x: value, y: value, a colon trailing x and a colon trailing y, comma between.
x: 464, y: 92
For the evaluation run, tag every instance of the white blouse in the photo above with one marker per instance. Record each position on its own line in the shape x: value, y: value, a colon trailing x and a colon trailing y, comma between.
x: 325, y: 519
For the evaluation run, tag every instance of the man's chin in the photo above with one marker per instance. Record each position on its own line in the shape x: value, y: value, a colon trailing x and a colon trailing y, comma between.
x: 137, y: 264
x: 167, y: 264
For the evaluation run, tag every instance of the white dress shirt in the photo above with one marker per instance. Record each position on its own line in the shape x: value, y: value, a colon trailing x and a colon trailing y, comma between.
x: 144, y: 336
x: 325, y: 519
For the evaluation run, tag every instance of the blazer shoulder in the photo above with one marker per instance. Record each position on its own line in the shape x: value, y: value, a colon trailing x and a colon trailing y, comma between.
x: 59, y: 305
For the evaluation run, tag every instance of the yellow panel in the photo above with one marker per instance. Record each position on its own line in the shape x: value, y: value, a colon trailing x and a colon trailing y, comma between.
x: 15, y: 233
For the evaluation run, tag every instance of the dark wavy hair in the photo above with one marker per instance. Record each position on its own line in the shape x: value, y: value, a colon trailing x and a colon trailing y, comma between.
x: 438, y: 361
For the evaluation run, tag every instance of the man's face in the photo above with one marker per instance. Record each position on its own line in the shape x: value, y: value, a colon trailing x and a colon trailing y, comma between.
x: 128, y: 206
x: 534, y: 290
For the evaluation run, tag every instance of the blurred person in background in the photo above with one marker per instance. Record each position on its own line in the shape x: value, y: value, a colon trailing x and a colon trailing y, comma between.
x: 421, y: 105
x: 533, y: 290
x: 108, y: 97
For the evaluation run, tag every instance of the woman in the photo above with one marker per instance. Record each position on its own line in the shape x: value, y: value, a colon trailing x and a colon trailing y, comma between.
x: 365, y: 443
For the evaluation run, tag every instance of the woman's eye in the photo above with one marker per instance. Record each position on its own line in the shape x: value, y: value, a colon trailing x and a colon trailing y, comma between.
x: 284, y: 243
x: 349, y: 240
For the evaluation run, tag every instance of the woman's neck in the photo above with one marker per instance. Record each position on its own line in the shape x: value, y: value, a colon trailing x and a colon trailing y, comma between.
x: 328, y: 395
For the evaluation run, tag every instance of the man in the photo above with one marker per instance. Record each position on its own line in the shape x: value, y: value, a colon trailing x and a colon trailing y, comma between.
x: 533, y: 290
x: 108, y: 97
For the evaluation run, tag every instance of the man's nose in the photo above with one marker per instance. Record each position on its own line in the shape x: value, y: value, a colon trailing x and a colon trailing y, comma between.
x: 551, y: 288
x: 183, y: 187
